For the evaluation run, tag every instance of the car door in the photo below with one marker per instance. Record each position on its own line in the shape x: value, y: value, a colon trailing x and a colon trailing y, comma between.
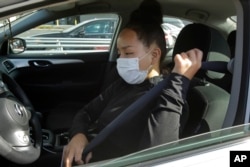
x: 58, y: 73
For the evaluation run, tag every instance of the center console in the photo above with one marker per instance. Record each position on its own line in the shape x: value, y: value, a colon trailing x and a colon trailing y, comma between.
x: 54, y: 141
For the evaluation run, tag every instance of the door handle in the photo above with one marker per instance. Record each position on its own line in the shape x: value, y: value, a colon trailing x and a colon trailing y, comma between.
x: 40, y: 63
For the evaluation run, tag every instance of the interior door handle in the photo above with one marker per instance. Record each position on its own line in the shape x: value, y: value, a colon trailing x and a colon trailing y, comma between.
x: 40, y: 63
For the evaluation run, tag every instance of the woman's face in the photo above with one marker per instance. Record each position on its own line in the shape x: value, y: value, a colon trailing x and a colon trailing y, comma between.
x: 129, y: 46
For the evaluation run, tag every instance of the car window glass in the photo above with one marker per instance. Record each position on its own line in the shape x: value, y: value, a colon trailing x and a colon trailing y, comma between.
x: 81, y: 34
x: 95, y: 27
x: 172, y: 27
x: 203, y: 141
x: 234, y: 18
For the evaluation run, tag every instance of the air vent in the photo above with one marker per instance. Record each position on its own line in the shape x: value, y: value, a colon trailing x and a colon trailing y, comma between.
x: 8, y: 65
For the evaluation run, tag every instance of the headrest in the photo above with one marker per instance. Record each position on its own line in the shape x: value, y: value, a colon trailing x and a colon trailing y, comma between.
x: 207, y: 39
x: 231, y: 40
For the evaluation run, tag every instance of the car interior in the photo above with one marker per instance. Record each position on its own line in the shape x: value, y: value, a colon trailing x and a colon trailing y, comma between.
x: 55, y: 86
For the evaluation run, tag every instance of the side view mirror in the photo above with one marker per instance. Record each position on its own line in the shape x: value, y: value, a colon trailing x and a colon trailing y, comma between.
x: 16, y: 45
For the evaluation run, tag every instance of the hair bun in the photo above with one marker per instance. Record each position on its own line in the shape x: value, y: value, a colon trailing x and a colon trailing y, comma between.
x: 149, y: 12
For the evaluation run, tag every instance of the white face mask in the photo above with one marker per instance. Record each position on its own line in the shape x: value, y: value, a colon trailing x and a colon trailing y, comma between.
x: 128, y: 69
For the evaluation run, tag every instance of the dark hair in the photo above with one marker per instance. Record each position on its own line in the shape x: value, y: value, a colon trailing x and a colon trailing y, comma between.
x: 146, y: 22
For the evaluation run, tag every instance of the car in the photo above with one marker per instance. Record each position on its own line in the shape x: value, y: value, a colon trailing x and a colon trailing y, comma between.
x: 174, y: 31
x: 92, y: 28
x: 175, y: 21
x: 41, y: 90
x: 171, y: 33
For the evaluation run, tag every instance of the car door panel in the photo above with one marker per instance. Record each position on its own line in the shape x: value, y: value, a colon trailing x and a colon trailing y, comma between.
x: 57, y: 80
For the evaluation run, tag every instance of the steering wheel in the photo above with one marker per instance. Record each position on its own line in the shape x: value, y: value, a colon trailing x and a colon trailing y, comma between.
x: 17, y: 118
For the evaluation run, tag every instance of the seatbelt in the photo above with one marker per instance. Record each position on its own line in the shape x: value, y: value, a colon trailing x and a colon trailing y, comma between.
x: 134, y: 109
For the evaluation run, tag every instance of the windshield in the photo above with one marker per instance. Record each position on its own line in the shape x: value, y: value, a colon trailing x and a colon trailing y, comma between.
x: 181, y: 146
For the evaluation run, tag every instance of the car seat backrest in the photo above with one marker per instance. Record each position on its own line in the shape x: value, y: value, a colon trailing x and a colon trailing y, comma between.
x: 231, y: 40
x: 208, y: 105
x: 207, y: 97
x: 213, y: 45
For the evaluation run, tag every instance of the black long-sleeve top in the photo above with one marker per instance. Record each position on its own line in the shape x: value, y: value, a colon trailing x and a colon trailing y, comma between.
x: 159, y: 124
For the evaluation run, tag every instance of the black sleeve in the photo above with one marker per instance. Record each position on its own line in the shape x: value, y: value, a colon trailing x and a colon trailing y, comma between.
x: 91, y: 112
x: 164, y: 121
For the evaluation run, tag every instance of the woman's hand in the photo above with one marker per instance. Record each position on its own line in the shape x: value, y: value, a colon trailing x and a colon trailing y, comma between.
x: 73, y: 151
x: 188, y: 63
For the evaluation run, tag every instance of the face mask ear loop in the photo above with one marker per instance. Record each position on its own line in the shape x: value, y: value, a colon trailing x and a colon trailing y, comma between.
x: 142, y: 57
x: 149, y: 68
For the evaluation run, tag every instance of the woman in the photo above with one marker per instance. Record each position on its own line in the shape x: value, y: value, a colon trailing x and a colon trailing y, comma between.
x: 141, y: 47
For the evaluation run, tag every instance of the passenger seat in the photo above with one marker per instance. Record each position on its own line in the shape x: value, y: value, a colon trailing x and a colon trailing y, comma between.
x: 231, y: 40
x: 207, y: 98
